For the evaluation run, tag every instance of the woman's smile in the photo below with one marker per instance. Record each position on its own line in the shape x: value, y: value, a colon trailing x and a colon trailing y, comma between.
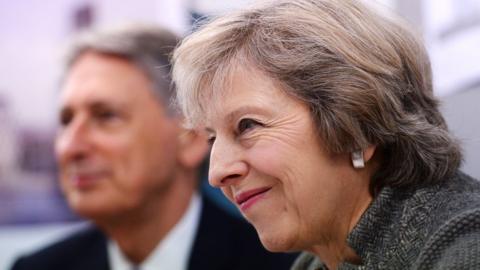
x: 246, y: 199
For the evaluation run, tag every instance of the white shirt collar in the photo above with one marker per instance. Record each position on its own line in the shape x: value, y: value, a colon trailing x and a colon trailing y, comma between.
x: 173, y: 251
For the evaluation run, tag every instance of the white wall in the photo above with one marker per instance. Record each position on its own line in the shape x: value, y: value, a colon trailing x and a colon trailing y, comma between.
x: 461, y: 111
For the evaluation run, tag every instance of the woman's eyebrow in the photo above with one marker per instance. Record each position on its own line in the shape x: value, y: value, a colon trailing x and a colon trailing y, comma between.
x: 248, y: 109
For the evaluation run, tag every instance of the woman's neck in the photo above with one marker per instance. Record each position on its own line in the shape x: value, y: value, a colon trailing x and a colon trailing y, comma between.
x: 333, y: 256
x: 335, y: 250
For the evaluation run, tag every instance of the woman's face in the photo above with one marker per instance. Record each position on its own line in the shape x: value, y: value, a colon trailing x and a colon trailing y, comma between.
x: 268, y: 160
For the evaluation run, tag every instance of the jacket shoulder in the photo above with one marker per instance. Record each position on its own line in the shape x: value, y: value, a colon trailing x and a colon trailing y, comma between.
x: 81, y: 248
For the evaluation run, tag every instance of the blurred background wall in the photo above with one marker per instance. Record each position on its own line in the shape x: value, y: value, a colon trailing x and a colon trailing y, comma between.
x: 34, y: 33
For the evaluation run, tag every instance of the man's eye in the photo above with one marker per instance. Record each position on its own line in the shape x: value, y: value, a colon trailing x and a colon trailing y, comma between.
x: 247, y: 124
x: 105, y: 115
x: 65, y: 118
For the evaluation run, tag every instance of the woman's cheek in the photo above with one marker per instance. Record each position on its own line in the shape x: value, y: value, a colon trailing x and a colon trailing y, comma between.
x: 270, y: 159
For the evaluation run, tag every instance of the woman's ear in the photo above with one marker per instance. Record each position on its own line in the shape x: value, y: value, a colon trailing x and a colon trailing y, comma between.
x: 192, y: 148
x: 360, y: 157
x: 369, y: 152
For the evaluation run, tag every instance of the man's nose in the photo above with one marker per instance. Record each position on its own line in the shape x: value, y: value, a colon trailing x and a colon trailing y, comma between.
x: 226, y: 164
x: 73, y: 141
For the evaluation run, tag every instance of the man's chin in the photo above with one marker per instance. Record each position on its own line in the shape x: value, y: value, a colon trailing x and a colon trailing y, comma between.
x: 92, y: 210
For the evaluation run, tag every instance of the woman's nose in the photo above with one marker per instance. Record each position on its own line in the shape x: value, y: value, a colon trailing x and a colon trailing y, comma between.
x: 226, y: 164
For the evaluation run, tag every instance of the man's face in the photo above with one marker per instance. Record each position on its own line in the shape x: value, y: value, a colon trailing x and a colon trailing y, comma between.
x: 117, y: 147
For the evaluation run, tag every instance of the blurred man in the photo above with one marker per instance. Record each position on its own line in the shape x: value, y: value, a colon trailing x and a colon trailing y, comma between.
x: 128, y: 166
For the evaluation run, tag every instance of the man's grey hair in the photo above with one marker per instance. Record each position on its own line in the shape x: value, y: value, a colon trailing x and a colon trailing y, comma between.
x: 146, y: 46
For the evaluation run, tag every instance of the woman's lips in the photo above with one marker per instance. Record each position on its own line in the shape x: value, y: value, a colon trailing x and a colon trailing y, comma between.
x: 246, y: 199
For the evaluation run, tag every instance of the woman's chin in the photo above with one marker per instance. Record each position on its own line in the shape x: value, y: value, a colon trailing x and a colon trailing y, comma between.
x: 276, y: 243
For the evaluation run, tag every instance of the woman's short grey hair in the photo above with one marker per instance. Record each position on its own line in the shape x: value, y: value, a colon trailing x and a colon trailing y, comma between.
x: 148, y: 47
x: 364, y: 76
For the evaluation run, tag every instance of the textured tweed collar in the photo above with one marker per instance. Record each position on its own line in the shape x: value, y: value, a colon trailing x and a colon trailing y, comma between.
x: 373, y: 233
x: 394, y: 229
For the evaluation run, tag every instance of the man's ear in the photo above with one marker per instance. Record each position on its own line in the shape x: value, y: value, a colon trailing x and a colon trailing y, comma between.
x: 192, y: 148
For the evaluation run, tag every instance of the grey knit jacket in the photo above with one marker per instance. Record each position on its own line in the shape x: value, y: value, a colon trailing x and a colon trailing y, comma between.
x: 435, y: 227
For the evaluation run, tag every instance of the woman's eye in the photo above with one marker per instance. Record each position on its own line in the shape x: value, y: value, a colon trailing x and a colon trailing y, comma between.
x: 246, y: 124
x: 211, y: 140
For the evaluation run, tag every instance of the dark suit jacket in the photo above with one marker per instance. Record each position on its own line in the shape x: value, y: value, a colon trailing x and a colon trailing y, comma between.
x: 222, y: 242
